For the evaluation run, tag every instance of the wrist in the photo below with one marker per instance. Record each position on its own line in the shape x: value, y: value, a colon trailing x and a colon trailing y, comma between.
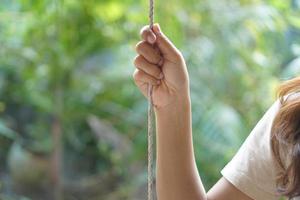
x: 178, y: 104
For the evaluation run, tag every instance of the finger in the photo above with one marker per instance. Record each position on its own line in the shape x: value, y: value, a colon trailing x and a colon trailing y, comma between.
x: 148, y: 35
x: 141, y: 63
x: 166, y: 47
x: 151, y: 54
x: 141, y: 76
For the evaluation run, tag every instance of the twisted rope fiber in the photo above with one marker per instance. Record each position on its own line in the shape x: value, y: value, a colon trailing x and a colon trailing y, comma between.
x: 150, y: 120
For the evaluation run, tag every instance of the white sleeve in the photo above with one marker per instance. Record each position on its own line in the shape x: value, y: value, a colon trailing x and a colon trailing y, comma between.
x: 253, y: 169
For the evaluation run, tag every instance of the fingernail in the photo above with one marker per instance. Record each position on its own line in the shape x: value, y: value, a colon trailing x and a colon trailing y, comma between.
x: 158, y: 82
x: 151, y: 39
x: 161, y: 75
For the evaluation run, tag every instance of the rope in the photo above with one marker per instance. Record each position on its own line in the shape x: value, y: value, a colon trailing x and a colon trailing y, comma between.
x: 150, y: 145
x: 150, y: 121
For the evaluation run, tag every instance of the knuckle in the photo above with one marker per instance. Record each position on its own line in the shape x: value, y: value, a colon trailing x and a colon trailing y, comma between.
x: 139, y: 46
x: 136, y: 61
x: 135, y: 74
x: 139, y: 62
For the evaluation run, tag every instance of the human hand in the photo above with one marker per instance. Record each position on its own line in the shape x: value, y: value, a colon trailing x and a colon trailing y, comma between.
x: 160, y: 64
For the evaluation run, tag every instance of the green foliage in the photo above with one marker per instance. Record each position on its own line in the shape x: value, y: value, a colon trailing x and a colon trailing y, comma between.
x: 70, y: 59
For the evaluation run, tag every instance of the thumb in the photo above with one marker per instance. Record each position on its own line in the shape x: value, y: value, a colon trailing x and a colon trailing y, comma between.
x: 166, y: 47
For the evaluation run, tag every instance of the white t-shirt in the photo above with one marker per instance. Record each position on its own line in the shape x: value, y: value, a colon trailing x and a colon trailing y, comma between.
x: 253, y: 169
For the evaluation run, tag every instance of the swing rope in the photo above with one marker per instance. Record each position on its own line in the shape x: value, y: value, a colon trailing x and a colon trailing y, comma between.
x: 150, y: 120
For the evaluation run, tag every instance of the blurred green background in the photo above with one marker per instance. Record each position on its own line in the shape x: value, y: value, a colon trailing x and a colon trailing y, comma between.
x: 73, y: 124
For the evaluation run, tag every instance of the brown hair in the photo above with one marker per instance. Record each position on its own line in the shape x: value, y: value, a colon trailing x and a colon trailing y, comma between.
x: 286, y: 132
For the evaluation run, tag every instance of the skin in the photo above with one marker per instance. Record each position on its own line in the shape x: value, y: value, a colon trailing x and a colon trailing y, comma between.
x: 162, y: 65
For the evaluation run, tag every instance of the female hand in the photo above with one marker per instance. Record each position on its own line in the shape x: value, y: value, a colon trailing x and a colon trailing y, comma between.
x: 161, y: 64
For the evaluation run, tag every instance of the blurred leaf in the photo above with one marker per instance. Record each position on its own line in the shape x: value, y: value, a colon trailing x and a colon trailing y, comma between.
x: 7, y: 132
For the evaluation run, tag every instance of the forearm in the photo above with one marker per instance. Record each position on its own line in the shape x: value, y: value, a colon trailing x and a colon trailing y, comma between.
x: 177, y: 175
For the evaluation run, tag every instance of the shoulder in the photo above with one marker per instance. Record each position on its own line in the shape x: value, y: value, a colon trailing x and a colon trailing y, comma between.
x: 253, y: 168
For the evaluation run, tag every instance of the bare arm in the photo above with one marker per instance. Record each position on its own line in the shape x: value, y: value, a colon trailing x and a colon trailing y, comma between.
x: 177, y: 175
x: 162, y: 65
